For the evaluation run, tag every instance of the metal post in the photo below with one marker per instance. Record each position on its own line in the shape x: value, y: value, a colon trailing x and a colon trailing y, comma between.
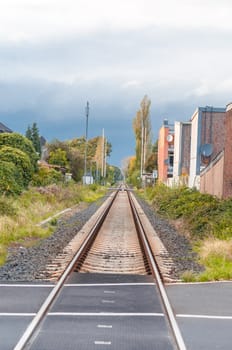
x: 103, y: 154
x: 86, y: 140
x: 142, y: 148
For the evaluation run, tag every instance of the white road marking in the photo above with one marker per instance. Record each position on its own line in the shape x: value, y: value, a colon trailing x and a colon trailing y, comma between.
x: 205, y: 317
x: 108, y: 301
x: 104, y: 326
x: 197, y: 283
x: 109, y: 291
x: 99, y: 314
x: 102, y: 342
x: 28, y: 285
x: 109, y: 284
x: 17, y: 314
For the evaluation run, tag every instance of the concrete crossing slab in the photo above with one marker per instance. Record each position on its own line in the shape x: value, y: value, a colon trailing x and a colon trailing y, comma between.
x: 204, y: 314
x: 22, y: 298
x: 109, y: 298
x: 125, y: 333
x: 11, y: 329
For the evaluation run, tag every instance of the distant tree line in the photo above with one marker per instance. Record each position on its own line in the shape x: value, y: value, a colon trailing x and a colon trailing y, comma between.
x: 70, y: 154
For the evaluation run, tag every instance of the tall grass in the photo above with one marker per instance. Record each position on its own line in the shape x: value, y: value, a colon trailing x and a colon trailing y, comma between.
x: 19, y: 215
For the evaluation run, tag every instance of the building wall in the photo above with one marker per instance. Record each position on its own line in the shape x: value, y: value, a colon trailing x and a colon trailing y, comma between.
x: 165, y: 152
x: 182, y: 152
x: 194, y: 148
x: 208, y: 127
x: 162, y: 153
x: 211, y: 179
x: 227, y: 190
x: 213, y: 130
x: 177, y: 151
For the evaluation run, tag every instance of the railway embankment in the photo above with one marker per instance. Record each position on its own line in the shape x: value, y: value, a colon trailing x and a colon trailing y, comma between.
x: 195, y: 230
x: 30, y: 254
x: 198, y: 225
x: 20, y: 218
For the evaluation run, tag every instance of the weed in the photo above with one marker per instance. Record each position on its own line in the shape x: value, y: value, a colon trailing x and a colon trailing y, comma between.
x: 53, y: 221
x: 189, y: 276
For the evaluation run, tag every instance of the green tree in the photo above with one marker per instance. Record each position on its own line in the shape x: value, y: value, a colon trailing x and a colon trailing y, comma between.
x: 32, y: 133
x: 143, y: 134
x: 75, y: 151
x: 152, y: 161
x: 76, y: 164
x: 58, y: 157
x: 113, y: 174
x: 143, y: 142
x: 29, y: 133
x: 36, y: 138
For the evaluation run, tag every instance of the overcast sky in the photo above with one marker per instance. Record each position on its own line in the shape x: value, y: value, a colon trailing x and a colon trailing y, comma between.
x: 55, y: 55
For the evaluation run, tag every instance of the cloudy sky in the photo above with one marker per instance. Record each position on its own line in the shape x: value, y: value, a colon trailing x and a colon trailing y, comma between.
x: 55, y: 55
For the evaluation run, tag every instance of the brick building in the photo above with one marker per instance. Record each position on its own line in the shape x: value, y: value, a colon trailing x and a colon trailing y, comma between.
x: 165, y: 152
x: 181, y: 152
x: 216, y: 178
x: 207, y: 140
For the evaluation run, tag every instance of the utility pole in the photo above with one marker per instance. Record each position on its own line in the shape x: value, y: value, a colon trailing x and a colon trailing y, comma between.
x: 86, y: 140
x: 142, y: 148
x: 103, y: 154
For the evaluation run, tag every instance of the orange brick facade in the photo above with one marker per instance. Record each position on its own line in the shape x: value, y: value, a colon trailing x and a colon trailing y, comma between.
x: 165, y: 152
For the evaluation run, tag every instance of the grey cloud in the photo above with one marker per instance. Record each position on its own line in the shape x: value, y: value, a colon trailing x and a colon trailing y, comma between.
x: 50, y: 82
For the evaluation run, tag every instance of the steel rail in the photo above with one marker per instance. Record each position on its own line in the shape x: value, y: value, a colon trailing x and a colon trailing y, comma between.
x: 156, y: 273
x: 26, y: 337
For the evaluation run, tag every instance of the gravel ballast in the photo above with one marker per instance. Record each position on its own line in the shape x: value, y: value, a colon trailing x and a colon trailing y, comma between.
x: 177, y: 245
x: 26, y: 264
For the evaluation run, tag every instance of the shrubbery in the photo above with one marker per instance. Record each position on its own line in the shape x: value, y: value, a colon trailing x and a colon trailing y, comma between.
x: 208, y: 222
x: 19, y: 159
x: 46, y: 176
x: 18, y: 162
x: 21, y: 143
x: 11, y: 181
x: 203, y: 214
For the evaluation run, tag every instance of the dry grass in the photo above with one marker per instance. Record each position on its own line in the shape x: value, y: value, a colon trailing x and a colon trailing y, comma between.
x: 214, y: 246
x: 34, y: 206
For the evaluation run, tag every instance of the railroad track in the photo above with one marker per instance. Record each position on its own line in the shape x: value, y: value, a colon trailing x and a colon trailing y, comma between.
x: 116, y: 242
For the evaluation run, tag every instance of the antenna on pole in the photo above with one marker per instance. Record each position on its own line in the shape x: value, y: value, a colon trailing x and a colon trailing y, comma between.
x: 86, y: 140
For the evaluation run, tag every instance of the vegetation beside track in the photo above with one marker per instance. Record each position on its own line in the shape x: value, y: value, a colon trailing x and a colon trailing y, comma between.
x: 206, y: 220
x: 19, y: 215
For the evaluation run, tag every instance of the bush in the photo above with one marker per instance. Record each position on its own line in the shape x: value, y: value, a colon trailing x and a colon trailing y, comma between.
x: 20, y: 160
x: 46, y: 176
x: 11, y: 181
x: 202, y: 214
x: 21, y: 143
